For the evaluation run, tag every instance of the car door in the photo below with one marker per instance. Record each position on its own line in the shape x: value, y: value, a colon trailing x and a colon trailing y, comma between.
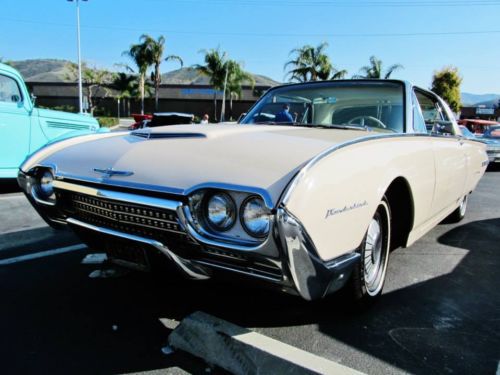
x: 14, y: 126
x: 450, y: 160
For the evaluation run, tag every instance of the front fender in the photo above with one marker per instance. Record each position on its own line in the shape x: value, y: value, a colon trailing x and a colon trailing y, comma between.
x: 336, y: 196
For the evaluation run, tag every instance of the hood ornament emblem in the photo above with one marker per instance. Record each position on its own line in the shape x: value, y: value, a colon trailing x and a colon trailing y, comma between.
x: 110, y: 172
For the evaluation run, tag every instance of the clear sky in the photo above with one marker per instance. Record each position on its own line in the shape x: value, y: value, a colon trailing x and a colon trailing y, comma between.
x: 422, y: 35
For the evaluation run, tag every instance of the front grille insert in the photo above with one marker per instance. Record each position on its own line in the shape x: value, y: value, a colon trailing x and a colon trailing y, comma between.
x: 132, y: 218
x: 157, y: 224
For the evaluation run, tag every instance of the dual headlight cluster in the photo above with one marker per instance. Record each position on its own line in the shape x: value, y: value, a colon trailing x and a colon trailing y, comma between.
x: 219, y: 212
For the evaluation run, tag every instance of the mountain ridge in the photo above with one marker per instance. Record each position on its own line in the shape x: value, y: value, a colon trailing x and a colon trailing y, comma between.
x: 56, y: 70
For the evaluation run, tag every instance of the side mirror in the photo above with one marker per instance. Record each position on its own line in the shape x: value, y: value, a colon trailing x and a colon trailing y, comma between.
x: 33, y: 98
x: 15, y: 98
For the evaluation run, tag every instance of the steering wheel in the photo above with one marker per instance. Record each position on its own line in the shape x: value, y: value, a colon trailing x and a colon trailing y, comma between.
x: 370, y: 118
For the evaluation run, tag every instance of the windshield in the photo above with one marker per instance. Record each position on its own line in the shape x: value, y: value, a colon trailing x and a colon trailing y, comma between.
x: 366, y: 105
x: 492, y: 132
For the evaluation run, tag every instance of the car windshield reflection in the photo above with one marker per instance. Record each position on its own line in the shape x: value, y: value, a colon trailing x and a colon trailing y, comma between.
x: 346, y: 105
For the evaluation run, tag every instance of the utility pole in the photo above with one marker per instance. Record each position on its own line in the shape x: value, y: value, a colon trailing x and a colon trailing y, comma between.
x: 223, y: 108
x: 80, y: 86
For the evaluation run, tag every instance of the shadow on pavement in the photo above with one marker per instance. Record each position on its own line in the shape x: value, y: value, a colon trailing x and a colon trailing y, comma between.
x: 450, y: 324
x: 9, y: 185
x: 54, y: 317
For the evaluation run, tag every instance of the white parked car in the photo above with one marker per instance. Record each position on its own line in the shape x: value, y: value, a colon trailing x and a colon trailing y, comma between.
x: 309, y: 193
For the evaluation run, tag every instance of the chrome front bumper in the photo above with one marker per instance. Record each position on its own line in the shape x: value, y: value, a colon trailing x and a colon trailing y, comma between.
x: 288, y: 248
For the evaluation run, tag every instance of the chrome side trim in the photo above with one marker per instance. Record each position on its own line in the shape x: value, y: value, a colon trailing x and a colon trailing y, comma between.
x: 188, y: 267
x: 312, y: 277
x: 119, y: 196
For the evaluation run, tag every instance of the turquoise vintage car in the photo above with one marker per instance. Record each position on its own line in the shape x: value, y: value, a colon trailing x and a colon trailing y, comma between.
x: 25, y: 128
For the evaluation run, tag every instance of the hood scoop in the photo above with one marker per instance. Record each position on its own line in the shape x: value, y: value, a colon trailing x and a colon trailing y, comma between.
x: 163, y: 135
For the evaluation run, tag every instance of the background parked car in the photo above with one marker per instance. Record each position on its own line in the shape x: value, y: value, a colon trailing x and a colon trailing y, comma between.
x: 25, y: 128
x: 477, y: 126
x: 163, y: 119
x: 139, y: 121
x: 467, y: 133
x: 491, y: 137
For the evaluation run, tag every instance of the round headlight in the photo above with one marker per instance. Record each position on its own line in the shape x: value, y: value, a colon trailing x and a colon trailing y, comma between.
x: 255, y: 217
x: 221, y: 211
x: 46, y: 185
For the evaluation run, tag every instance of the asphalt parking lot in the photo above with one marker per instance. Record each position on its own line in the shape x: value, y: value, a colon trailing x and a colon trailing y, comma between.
x: 440, y: 313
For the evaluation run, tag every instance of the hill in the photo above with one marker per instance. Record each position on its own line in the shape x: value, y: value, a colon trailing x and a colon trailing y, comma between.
x: 54, y: 70
x: 189, y: 76
x: 42, y: 70
x: 489, y: 100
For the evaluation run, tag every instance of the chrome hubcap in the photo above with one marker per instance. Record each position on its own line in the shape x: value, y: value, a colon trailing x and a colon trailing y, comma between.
x: 463, y: 206
x: 373, y: 255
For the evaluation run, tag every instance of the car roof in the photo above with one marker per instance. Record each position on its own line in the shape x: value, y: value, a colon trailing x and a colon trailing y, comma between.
x: 354, y: 80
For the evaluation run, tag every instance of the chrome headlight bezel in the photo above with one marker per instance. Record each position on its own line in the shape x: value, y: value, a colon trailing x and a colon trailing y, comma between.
x: 231, y: 211
x: 43, y: 186
x: 264, y: 214
x: 196, y: 214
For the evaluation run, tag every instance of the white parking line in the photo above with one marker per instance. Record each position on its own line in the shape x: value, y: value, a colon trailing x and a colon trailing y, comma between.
x: 41, y: 254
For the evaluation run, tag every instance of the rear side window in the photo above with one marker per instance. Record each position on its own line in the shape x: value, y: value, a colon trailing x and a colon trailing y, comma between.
x: 9, y: 90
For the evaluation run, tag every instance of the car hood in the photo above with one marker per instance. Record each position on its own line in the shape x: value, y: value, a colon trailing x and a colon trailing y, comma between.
x: 68, y: 117
x: 180, y: 158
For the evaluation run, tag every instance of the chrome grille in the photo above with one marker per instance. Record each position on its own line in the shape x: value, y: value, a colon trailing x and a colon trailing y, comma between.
x: 121, y: 215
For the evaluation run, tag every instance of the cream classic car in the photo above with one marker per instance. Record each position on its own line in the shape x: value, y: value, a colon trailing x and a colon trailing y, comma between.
x: 309, y: 193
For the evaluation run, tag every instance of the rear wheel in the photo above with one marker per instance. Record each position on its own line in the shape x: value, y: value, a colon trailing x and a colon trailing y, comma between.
x: 368, y: 277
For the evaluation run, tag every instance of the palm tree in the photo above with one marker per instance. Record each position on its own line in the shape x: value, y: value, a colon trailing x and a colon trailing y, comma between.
x: 124, y: 84
x: 215, y: 69
x: 141, y: 56
x: 375, y: 71
x: 312, y: 64
x: 236, y: 78
x: 156, y: 48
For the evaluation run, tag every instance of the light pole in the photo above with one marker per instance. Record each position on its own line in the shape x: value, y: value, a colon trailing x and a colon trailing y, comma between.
x: 80, y: 89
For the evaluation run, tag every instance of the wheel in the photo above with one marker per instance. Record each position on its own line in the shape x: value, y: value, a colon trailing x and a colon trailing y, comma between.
x: 459, y: 212
x: 368, y: 277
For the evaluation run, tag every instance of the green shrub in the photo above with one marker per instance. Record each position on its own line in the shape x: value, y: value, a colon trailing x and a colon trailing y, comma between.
x: 107, y: 122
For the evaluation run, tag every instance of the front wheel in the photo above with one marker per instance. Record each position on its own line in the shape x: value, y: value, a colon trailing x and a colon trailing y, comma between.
x: 459, y: 212
x: 368, y: 277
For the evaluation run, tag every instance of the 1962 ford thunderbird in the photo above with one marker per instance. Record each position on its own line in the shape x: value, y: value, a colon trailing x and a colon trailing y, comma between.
x: 309, y: 193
